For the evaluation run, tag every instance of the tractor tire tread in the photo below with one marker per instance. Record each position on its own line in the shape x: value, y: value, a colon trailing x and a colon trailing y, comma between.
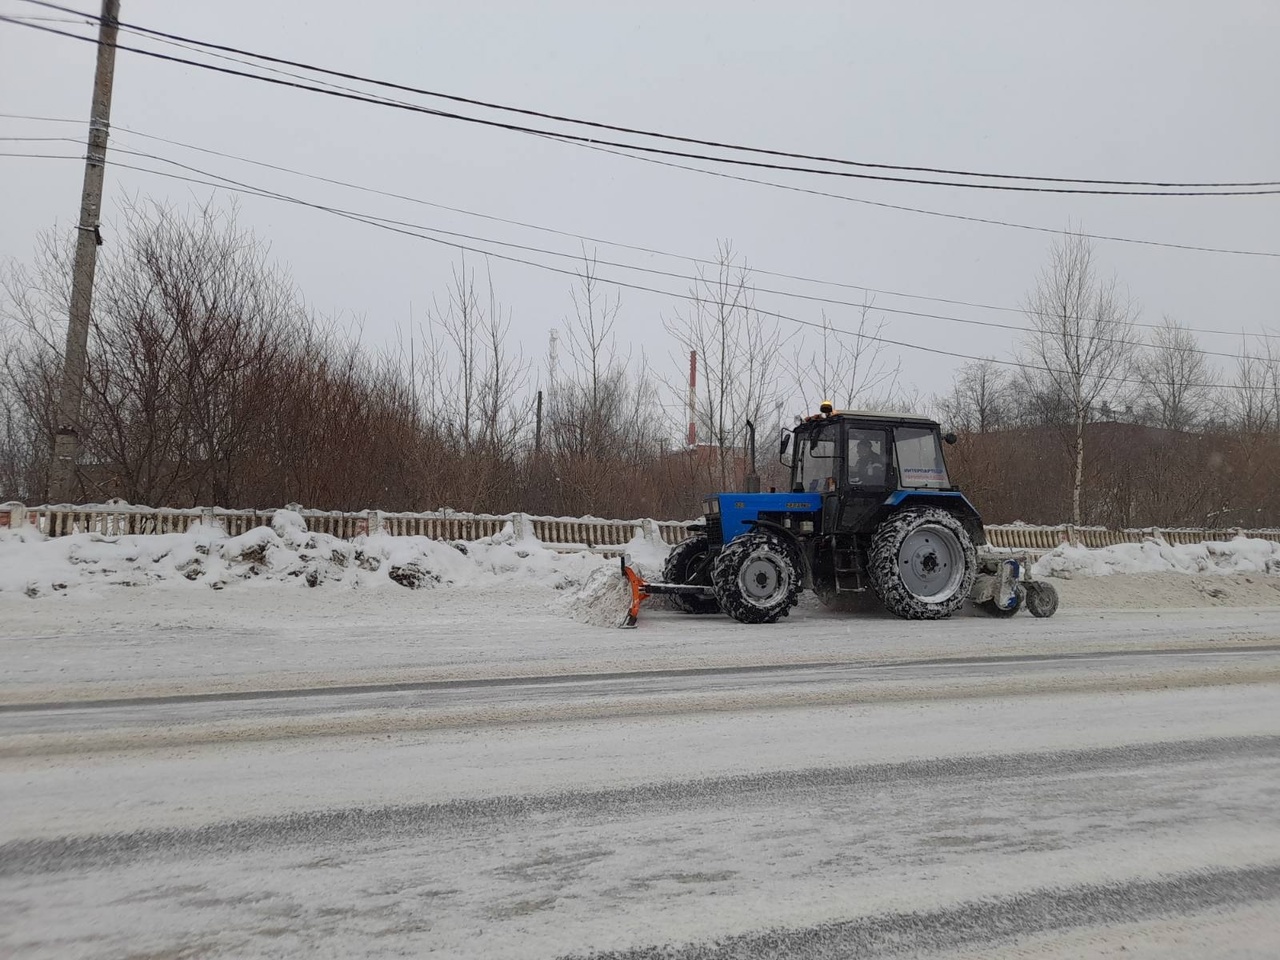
x: 724, y: 576
x: 676, y: 569
x: 886, y: 579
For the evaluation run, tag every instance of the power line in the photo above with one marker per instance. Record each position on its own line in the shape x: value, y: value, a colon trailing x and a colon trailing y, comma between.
x: 616, y: 128
x: 651, y: 250
x: 934, y: 213
x: 594, y: 141
x: 411, y: 231
x: 1056, y: 231
x: 666, y: 273
x: 626, y: 266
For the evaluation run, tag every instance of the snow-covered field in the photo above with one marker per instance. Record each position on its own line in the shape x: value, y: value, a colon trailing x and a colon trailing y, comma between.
x: 232, y: 764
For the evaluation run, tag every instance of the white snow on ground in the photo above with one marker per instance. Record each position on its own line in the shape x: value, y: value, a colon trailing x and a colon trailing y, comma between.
x: 282, y: 553
x: 287, y: 552
x: 516, y: 573
x: 1241, y: 555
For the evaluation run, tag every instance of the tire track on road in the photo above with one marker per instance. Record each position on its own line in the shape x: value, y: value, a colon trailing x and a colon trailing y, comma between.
x: 577, y: 704
x: 350, y: 824
x: 417, y: 686
x: 483, y: 683
x: 984, y: 922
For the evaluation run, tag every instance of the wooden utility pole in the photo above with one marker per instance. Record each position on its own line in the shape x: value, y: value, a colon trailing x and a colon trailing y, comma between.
x: 66, y: 445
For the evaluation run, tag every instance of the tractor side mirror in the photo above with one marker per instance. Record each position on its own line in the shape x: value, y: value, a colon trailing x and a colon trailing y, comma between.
x: 949, y: 439
x: 783, y: 446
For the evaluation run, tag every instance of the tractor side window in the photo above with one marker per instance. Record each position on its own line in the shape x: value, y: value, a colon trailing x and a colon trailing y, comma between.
x: 920, y: 462
x: 868, y: 458
x: 815, y: 470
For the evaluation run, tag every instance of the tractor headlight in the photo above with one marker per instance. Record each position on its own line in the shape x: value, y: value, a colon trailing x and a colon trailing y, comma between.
x: 711, y: 506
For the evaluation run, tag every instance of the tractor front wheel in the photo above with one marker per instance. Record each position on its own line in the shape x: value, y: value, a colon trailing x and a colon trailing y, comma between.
x: 756, y: 578
x: 688, y: 563
x: 922, y: 564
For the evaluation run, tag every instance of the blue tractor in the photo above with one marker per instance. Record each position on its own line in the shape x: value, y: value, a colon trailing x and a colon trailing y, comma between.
x: 870, y: 518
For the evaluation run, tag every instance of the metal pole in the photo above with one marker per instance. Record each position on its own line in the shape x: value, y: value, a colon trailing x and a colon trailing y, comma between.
x: 66, y: 446
x: 693, y: 399
x: 537, y: 430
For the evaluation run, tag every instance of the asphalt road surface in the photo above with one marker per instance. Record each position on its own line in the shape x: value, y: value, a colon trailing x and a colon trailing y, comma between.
x: 1105, y: 803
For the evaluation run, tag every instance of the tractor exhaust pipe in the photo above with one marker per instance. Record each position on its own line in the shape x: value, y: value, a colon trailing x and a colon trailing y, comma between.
x: 753, y: 478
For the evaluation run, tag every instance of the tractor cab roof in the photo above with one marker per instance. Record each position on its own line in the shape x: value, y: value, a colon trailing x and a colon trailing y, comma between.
x: 879, y: 416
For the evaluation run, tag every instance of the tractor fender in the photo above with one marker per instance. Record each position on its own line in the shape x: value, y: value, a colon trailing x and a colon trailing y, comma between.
x: 954, y: 502
x: 806, y: 569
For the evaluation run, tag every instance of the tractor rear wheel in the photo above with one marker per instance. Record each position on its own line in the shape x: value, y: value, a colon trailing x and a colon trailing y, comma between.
x: 922, y: 564
x: 756, y: 578
x: 688, y: 563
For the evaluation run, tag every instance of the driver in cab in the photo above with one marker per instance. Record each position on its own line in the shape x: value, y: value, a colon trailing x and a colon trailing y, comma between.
x: 868, y: 468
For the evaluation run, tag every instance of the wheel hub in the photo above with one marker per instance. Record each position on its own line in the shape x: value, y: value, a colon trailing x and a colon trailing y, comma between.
x: 931, y: 562
x: 760, y: 580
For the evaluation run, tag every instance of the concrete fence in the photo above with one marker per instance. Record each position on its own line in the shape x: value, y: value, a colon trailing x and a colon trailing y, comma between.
x: 608, y: 537
x: 117, y: 518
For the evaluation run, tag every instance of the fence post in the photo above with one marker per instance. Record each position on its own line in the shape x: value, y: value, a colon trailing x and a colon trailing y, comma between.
x: 652, y: 533
x: 12, y: 515
x: 1072, y: 539
x: 521, y: 525
x: 373, y: 522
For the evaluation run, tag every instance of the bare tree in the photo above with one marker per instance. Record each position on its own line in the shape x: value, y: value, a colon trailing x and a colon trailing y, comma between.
x: 188, y: 308
x: 847, y: 367
x: 1175, y: 378
x: 478, y: 395
x: 738, y: 359
x: 981, y: 398
x: 1081, y: 340
x: 585, y: 396
x: 600, y: 424
x: 1251, y: 404
x: 21, y: 456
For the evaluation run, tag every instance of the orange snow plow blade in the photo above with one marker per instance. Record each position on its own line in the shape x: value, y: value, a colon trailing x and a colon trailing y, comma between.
x: 642, y: 590
x: 638, y: 595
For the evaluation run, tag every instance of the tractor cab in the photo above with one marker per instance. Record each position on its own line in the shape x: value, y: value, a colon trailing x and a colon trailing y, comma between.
x: 865, y: 453
x: 863, y: 462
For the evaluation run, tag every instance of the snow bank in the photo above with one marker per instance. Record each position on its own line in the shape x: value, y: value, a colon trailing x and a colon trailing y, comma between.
x: 1241, y: 555
x: 285, y: 553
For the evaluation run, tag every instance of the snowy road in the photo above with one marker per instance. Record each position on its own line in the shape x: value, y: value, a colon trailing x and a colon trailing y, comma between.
x: 192, y: 718
x: 1105, y: 783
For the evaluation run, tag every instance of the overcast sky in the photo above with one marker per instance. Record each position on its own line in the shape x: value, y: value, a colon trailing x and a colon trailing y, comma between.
x: 1153, y: 90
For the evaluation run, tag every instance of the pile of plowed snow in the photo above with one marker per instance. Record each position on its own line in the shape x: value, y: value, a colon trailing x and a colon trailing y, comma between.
x: 1241, y: 555
x: 284, y: 552
x: 584, y: 586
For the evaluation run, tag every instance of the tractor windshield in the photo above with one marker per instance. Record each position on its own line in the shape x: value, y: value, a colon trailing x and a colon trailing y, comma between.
x: 920, y: 462
x: 868, y: 457
x: 815, y: 469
